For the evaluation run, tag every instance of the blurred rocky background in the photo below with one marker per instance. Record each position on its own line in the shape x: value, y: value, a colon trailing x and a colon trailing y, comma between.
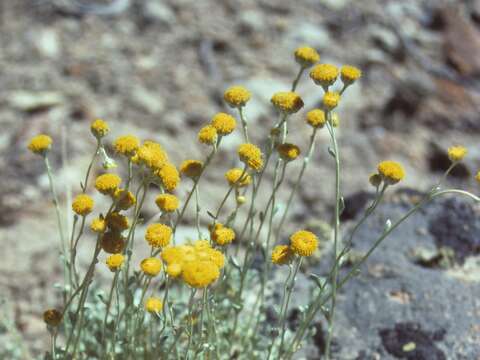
x: 158, y: 68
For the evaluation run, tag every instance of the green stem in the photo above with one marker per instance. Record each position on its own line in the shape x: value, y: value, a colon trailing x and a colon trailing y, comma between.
x: 244, y: 124
x: 287, y: 302
x: 306, y: 161
x: 335, y: 240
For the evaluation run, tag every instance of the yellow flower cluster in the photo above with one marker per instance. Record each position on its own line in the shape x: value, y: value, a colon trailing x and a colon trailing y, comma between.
x: 82, y: 205
x: 281, y: 255
x: 316, y: 118
x: 251, y: 156
x: 237, y: 177
x: 207, y: 135
x: 199, y: 264
x: 99, y: 128
x: 331, y: 100
x: 288, y: 152
x: 158, y: 235
x: 324, y: 75
x: 107, y: 184
x: 98, y: 225
x: 222, y: 235
x: 126, y: 145
x: 306, y: 56
x: 40, y: 144
x: 287, y: 102
x: 303, y: 243
x: 151, y: 266
x: 477, y: 177
x: 169, y: 176
x: 153, y: 305
x: 191, y: 168
x: 391, y: 171
x: 115, y: 262
x: 236, y: 96
x: 456, y: 153
x: 152, y: 155
x: 167, y: 202
x: 349, y: 74
x: 223, y: 123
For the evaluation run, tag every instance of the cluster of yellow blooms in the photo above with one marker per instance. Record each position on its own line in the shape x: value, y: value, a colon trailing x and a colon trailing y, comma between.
x: 199, y: 264
x: 302, y: 243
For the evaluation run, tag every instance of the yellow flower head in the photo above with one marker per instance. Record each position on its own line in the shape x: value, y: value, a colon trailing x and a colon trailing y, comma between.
x: 107, y: 184
x: 223, y: 123
x: 116, y: 221
x: 349, y: 74
x: 201, y: 244
x: 167, y: 202
x: 236, y: 96
x: 152, y: 155
x: 115, y: 261
x: 316, y: 118
x: 207, y: 135
x: 212, y: 255
x: 324, y: 74
x: 287, y: 102
x: 235, y: 178
x: 173, y: 254
x: 169, y: 176
x: 98, y: 225
x: 303, y: 243
x: 126, y: 145
x: 331, y: 100
x: 124, y: 198
x: 99, y: 128
x: 191, y: 168
x: 251, y: 155
x: 82, y: 205
x: 151, y: 266
x: 200, y: 273
x: 477, y: 177
x: 153, y: 305
x: 40, y: 144
x: 174, y: 269
x: 391, y: 171
x: 158, y: 235
x: 281, y: 255
x: 113, y: 242
x: 306, y: 56
x: 52, y: 317
x: 456, y: 153
x: 222, y: 235
x: 288, y: 152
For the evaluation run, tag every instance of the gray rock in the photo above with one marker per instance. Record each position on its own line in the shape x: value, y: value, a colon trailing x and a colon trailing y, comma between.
x: 31, y: 101
x: 47, y: 43
x: 157, y: 10
x: 147, y: 100
x: 314, y: 35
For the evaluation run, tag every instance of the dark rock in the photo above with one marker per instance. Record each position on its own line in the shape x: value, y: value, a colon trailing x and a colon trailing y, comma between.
x: 354, y: 204
x: 456, y: 225
x: 397, y: 339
